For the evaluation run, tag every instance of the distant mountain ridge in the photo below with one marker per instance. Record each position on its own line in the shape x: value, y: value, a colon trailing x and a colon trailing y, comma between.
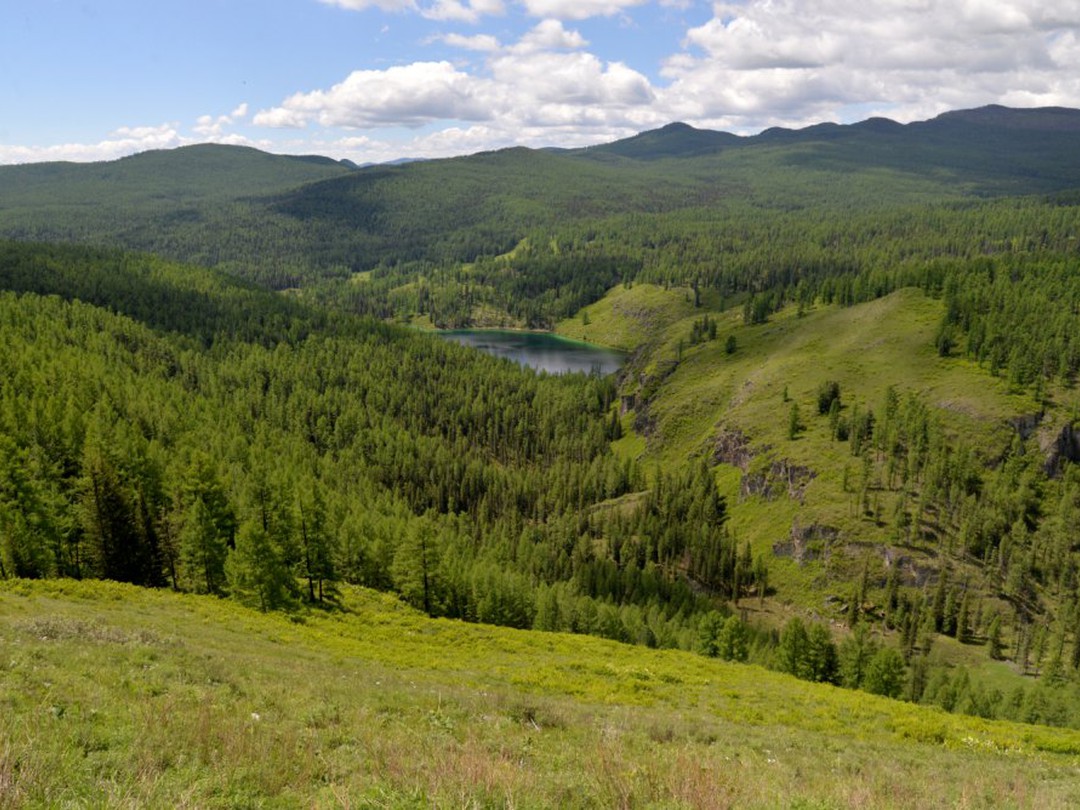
x: 682, y: 140
x: 673, y: 140
x: 285, y: 220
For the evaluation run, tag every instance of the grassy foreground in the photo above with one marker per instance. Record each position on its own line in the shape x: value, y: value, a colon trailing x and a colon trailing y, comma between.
x: 120, y: 697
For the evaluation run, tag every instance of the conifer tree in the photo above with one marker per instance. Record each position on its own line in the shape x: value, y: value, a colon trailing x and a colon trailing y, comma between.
x: 256, y: 572
x: 317, y: 550
x: 885, y: 673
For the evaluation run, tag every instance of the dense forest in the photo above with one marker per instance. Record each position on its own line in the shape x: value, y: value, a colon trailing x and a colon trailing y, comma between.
x: 215, y: 391
x: 171, y: 444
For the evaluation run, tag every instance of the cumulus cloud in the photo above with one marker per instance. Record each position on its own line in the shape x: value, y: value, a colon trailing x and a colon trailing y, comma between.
x: 130, y: 140
x: 478, y: 42
x: 213, y: 128
x: 361, y: 5
x: 469, y: 11
x: 578, y: 9
x: 545, y: 79
x: 763, y: 62
x: 121, y: 142
x: 408, y: 95
x: 456, y: 10
x: 549, y: 35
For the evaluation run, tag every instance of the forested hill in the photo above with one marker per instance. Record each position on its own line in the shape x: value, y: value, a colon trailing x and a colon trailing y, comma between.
x: 994, y: 150
x: 184, y: 175
x: 853, y: 395
x: 1006, y: 149
x: 287, y: 221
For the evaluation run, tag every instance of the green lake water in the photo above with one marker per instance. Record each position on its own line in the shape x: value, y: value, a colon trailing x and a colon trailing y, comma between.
x: 540, y: 350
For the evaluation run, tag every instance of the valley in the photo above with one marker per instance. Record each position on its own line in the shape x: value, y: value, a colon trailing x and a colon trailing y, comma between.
x: 814, y: 488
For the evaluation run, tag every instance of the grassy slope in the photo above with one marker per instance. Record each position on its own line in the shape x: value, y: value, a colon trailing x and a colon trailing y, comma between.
x: 865, y: 348
x: 114, y: 696
x: 627, y: 317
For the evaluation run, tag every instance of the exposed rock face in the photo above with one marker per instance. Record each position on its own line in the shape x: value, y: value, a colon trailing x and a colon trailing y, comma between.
x: 781, y: 476
x: 732, y: 447
x: 806, y: 543
x: 911, y: 572
x: 1060, y: 447
x: 1026, y: 424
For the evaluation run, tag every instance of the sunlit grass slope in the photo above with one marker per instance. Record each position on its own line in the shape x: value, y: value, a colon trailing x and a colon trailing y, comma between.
x: 690, y: 396
x: 115, y: 696
x: 629, y: 316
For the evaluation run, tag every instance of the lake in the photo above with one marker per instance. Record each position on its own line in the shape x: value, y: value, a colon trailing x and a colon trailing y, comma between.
x: 540, y: 350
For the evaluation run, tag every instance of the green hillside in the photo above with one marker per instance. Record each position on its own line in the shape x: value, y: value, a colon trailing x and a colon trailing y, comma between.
x: 674, y: 140
x: 844, y: 448
x: 942, y: 514
x: 287, y: 221
x: 190, y: 174
x: 193, y: 203
x: 120, y: 697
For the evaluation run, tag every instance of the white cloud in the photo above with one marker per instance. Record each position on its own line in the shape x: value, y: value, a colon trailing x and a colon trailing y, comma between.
x: 550, y: 35
x: 578, y: 9
x: 478, y: 42
x: 455, y: 10
x: 755, y: 63
x: 409, y: 95
x: 280, y: 118
x: 544, y: 79
x: 361, y: 5
x: 577, y: 81
x: 213, y: 129
x: 123, y: 141
x: 793, y: 62
x: 544, y: 82
x: 543, y: 89
x: 469, y: 11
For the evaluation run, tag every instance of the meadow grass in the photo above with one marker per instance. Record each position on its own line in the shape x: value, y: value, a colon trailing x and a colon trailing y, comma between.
x: 698, y: 392
x: 629, y: 316
x: 865, y: 348
x: 119, y: 697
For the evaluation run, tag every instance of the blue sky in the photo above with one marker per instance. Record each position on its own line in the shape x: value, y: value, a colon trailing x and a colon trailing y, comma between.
x: 375, y: 80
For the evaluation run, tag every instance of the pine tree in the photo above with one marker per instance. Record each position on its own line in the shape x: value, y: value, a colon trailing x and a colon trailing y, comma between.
x: 317, y: 550
x: 734, y: 640
x: 256, y: 572
x: 416, y: 568
x: 963, y: 621
x: 202, y: 549
x: 854, y: 656
x: 821, y: 663
x: 791, y: 653
x: 111, y: 525
x: 885, y: 673
x: 710, y: 627
x: 793, y: 422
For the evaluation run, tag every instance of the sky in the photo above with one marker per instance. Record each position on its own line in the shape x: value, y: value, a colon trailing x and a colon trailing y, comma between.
x: 379, y: 80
